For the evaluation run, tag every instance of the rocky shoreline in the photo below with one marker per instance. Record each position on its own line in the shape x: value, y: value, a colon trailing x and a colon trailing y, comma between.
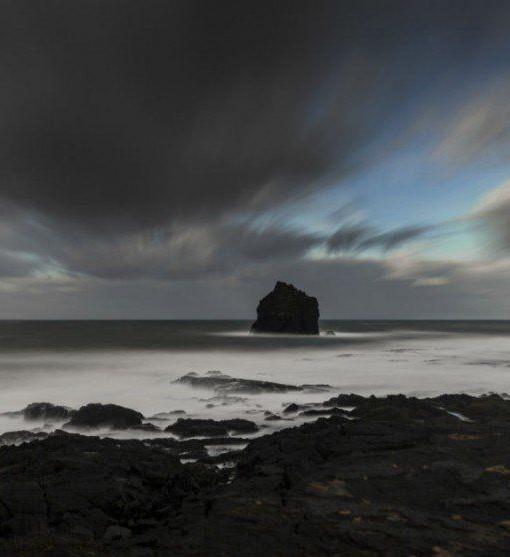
x: 380, y: 476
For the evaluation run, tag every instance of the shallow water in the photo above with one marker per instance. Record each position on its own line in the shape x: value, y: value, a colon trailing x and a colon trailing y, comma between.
x: 135, y: 363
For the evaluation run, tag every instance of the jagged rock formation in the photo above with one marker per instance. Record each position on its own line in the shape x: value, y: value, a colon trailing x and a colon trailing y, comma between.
x: 287, y: 310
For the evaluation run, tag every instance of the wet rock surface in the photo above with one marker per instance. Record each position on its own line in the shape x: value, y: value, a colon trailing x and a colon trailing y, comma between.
x: 46, y: 411
x: 189, y: 427
x: 489, y: 407
x: 345, y: 400
x: 79, y: 495
x: 400, y: 407
x: 194, y: 449
x: 402, y: 477
x: 225, y: 384
x: 322, y: 412
x: 104, y: 415
x: 287, y: 310
x: 22, y: 436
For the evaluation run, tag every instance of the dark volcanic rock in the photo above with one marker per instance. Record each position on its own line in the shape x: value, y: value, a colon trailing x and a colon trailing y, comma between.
x: 293, y: 407
x: 225, y: 384
x: 287, y: 310
x: 390, y: 483
x: 100, y: 415
x: 188, y: 427
x: 399, y: 407
x: 270, y: 417
x: 487, y: 407
x: 164, y: 416
x: 323, y: 412
x: 345, y: 400
x: 77, y: 495
x: 46, y: 411
x: 312, y: 408
x: 23, y: 436
x: 365, y: 488
x: 193, y: 448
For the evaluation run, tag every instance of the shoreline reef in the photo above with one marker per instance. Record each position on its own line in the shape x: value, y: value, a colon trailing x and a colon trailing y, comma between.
x: 371, y: 476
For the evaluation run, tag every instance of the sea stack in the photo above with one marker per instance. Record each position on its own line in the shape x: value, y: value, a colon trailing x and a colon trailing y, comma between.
x: 287, y: 310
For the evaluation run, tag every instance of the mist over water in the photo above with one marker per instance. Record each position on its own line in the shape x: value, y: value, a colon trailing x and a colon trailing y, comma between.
x: 135, y: 364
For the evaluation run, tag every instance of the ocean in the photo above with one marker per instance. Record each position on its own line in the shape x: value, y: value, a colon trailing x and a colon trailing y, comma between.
x: 135, y: 364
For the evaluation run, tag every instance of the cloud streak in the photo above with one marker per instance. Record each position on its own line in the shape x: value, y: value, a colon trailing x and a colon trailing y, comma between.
x: 357, y: 238
x: 157, y: 112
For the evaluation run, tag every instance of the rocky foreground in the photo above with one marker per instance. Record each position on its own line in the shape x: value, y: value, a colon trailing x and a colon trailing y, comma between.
x: 395, y: 476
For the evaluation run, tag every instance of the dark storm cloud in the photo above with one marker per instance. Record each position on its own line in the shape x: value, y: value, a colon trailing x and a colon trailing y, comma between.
x: 142, y: 140
x: 126, y: 115
x: 131, y: 114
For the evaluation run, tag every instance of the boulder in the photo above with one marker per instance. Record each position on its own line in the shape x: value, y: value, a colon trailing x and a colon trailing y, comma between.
x: 100, y: 415
x: 287, y: 310
x: 46, y: 411
x: 270, y: 417
x: 187, y: 427
x: 291, y: 408
x: 23, y: 436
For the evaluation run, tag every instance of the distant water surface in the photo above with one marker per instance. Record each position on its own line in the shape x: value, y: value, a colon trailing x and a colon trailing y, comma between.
x: 134, y: 363
x: 216, y: 334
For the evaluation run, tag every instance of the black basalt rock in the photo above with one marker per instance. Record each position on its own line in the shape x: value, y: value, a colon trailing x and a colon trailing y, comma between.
x: 46, y: 411
x: 402, y: 478
x: 287, y: 310
x: 188, y: 427
x: 99, y: 415
x: 225, y: 384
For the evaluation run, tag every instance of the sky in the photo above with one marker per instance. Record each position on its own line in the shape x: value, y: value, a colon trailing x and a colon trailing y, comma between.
x: 173, y: 159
